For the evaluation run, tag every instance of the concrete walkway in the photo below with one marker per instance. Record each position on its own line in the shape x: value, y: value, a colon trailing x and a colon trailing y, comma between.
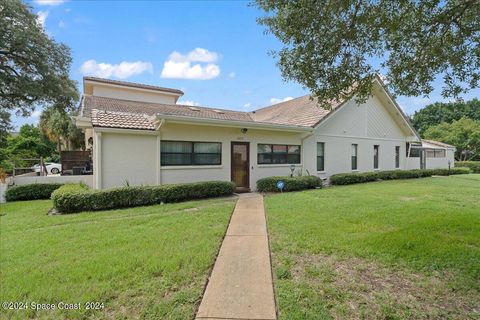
x: 241, y: 286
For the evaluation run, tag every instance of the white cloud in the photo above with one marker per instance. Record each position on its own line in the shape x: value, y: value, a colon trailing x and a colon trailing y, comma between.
x: 202, y: 55
x: 68, y: 10
x: 179, y: 66
x: 231, y: 75
x: 42, y: 17
x: 49, y: 2
x: 122, y: 70
x: 247, y: 105
x: 276, y: 100
x: 188, y: 103
x: 61, y: 24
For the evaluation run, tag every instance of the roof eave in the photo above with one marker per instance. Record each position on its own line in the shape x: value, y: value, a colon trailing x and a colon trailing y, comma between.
x: 166, y: 91
x: 233, y: 123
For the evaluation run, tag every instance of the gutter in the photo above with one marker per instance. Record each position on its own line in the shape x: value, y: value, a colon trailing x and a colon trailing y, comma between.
x: 233, y: 123
x: 83, y: 122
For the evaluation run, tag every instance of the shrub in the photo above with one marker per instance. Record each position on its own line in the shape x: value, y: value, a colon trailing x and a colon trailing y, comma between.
x: 460, y: 170
x: 474, y: 165
x: 269, y: 184
x: 351, y: 178
x: 31, y: 191
x: 76, y: 198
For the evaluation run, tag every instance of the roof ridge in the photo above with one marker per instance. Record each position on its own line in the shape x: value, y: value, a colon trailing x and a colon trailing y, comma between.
x: 279, y: 103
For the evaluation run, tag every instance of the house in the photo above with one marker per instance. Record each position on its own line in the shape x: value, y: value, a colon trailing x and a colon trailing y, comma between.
x: 139, y: 135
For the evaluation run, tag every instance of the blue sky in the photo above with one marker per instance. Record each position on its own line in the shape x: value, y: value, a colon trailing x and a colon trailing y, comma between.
x: 214, y: 51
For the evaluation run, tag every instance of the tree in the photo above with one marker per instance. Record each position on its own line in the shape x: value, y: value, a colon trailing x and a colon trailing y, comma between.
x: 59, y: 127
x: 4, y: 127
x: 331, y: 47
x: 464, y: 134
x: 30, y: 143
x: 439, y: 112
x: 33, y: 67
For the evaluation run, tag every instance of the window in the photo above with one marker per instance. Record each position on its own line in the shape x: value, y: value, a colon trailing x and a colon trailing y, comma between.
x: 435, y: 153
x: 430, y: 153
x: 354, y: 156
x: 397, y: 157
x: 375, y: 156
x: 414, y: 153
x: 183, y: 153
x: 278, y: 154
x: 320, y: 156
x: 440, y: 153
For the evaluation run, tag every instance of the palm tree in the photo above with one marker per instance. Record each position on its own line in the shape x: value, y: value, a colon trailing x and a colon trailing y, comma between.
x: 59, y: 127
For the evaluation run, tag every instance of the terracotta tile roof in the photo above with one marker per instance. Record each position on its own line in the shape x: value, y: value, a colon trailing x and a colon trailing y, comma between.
x: 124, y: 120
x: 302, y: 111
x: 436, y: 143
x: 133, y: 85
x: 118, y: 105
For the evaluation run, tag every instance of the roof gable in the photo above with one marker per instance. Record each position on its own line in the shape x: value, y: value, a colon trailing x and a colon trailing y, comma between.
x: 396, y: 112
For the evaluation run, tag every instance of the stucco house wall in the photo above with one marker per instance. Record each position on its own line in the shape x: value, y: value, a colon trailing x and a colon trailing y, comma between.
x: 366, y: 125
x: 134, y: 156
x: 133, y: 95
x: 184, y: 132
x: 128, y: 158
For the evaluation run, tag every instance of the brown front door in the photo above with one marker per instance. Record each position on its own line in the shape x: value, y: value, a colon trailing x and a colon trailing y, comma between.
x: 241, y: 164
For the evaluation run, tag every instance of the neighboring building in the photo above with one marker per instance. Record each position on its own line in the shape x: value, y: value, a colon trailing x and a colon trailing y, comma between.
x: 139, y: 134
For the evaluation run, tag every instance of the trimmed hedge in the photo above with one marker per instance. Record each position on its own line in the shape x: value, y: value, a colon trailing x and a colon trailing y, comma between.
x: 447, y: 172
x: 32, y: 191
x: 352, y: 178
x: 269, y: 184
x: 75, y: 198
x: 474, y: 165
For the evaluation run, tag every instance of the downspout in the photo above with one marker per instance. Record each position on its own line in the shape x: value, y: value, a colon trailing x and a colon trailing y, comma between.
x: 98, y: 160
x: 158, y: 127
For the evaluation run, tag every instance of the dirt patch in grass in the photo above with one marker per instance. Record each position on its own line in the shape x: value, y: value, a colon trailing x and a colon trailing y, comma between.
x: 354, y: 288
x: 408, y: 198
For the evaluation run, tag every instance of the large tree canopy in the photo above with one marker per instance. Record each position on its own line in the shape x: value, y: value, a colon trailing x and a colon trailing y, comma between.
x: 439, y: 112
x: 33, y: 67
x: 331, y: 47
x: 464, y: 134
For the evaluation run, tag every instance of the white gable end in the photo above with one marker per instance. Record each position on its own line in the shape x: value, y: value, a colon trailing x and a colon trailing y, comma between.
x: 380, y: 122
x: 372, y: 119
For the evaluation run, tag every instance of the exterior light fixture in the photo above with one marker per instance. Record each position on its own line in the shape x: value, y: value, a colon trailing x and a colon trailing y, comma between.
x: 243, y: 130
x: 292, y: 168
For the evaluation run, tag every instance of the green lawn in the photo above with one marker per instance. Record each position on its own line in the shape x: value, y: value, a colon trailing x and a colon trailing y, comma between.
x: 386, y: 250
x: 147, y: 262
